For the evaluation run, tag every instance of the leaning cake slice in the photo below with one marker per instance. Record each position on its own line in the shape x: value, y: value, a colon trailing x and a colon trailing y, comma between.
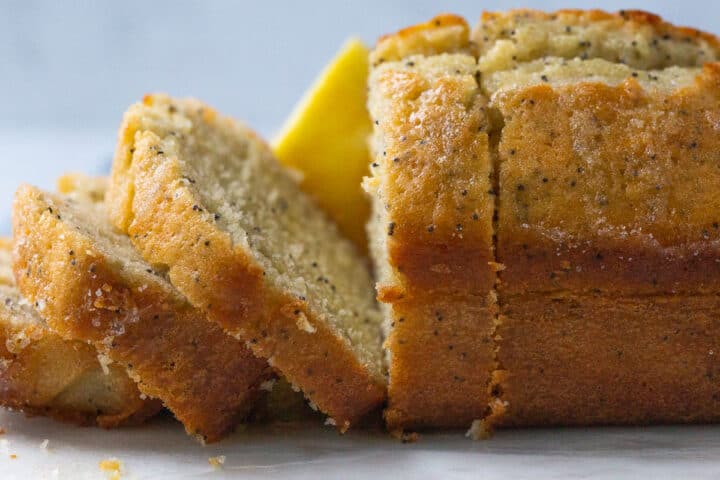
x: 203, y: 197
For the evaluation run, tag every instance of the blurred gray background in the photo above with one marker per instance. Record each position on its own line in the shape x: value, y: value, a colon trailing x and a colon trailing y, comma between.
x: 68, y: 69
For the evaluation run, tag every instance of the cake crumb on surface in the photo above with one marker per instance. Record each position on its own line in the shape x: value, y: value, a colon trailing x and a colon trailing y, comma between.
x: 304, y: 324
x: 217, y: 462
x: 405, y: 437
x: 268, y: 385
x: 479, y: 430
x: 112, y: 466
x: 4, y: 446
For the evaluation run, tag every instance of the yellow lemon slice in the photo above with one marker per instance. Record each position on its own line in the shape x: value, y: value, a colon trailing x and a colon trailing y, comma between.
x: 325, y: 139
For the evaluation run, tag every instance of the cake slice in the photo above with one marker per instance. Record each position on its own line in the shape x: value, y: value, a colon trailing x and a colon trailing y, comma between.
x: 203, y: 198
x: 91, y: 285
x: 42, y: 374
x: 432, y: 232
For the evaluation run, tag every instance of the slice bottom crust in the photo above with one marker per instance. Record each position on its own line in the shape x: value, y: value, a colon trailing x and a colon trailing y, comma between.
x: 441, y: 355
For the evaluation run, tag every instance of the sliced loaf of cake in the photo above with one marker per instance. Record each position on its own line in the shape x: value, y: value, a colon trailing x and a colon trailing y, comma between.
x: 91, y: 285
x: 605, y: 216
x: 592, y: 136
x: 203, y: 197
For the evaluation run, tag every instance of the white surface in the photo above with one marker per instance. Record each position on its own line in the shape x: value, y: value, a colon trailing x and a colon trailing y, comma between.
x: 161, y: 450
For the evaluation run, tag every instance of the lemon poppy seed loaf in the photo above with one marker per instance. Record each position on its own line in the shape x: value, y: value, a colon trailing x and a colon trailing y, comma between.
x: 600, y: 133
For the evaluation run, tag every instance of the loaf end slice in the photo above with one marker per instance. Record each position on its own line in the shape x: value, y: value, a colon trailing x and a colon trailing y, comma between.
x: 92, y: 286
x: 203, y: 196
x: 43, y: 374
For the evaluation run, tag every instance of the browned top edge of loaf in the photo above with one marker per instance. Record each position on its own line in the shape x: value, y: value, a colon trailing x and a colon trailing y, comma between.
x: 223, y: 279
x: 445, y: 33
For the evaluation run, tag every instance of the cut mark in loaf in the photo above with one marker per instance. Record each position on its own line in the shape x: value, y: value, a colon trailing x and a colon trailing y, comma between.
x: 203, y: 196
x: 96, y: 288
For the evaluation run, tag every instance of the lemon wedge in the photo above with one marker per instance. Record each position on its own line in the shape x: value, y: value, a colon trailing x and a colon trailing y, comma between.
x: 326, y: 137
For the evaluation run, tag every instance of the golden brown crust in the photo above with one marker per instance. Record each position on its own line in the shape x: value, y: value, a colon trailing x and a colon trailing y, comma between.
x: 445, y: 33
x: 224, y: 281
x: 610, y: 188
x: 433, y: 186
x: 597, y: 359
x: 641, y: 226
x: 436, y: 184
x: 208, y: 379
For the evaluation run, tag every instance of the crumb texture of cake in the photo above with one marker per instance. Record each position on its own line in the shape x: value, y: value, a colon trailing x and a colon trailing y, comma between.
x: 633, y: 38
x: 557, y: 71
x: 91, y: 285
x: 247, y: 247
x: 42, y: 374
x: 431, y: 232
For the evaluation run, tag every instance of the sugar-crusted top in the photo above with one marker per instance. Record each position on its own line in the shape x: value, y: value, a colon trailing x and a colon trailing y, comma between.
x: 637, y: 39
x: 444, y: 33
x: 556, y: 72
